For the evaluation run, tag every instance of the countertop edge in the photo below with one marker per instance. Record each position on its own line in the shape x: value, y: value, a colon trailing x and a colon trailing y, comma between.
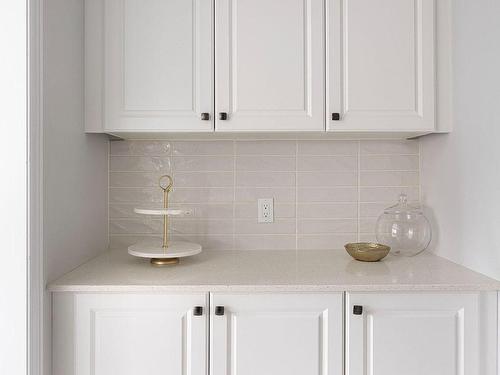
x: 267, y: 288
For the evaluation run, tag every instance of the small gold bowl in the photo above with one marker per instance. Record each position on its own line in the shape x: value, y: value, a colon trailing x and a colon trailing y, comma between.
x: 367, y: 251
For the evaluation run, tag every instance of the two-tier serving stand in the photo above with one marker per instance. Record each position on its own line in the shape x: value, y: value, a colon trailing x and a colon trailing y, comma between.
x: 162, y: 251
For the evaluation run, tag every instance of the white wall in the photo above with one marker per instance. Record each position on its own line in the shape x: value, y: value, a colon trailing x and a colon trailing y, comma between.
x: 75, y: 166
x: 13, y: 189
x: 461, y: 171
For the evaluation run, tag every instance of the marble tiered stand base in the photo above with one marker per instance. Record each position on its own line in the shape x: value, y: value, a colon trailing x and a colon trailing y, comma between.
x: 161, y: 256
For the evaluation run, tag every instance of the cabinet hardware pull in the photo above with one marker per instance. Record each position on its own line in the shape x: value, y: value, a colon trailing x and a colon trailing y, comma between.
x: 219, y: 310
x: 357, y: 310
x: 335, y: 116
x: 198, y: 311
x: 205, y: 116
x: 223, y: 116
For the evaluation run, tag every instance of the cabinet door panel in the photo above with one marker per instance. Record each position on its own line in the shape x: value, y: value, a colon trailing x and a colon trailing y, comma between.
x: 381, y: 64
x: 270, y: 64
x: 413, y: 334
x: 158, y: 65
x: 277, y: 334
x: 140, y: 334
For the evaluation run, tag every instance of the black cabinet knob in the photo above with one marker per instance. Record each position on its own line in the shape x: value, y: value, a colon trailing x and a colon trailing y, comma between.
x: 357, y: 310
x: 335, y: 116
x: 219, y: 310
x: 223, y: 116
x: 205, y: 116
x: 198, y: 311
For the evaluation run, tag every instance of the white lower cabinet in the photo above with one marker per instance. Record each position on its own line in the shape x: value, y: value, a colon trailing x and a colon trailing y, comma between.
x: 130, y: 334
x: 420, y: 334
x: 275, y: 334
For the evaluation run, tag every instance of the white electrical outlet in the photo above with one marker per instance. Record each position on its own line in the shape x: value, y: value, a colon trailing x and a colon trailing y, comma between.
x: 265, y: 210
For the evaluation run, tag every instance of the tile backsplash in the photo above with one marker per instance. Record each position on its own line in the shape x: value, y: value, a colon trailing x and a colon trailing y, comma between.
x: 326, y: 192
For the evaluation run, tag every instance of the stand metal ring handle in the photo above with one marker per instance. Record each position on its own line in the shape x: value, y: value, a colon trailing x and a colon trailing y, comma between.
x: 169, y: 185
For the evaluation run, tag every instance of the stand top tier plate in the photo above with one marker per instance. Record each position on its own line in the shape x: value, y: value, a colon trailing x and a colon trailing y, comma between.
x: 161, y: 211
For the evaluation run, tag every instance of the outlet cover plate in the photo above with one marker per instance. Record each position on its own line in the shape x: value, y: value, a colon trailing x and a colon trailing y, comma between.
x: 265, y: 210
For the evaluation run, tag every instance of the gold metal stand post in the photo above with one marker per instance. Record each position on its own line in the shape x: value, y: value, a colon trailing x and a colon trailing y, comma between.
x: 166, y: 187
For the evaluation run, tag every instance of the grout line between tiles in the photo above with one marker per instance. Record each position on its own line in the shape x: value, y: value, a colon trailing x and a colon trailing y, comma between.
x: 420, y: 171
x: 296, y: 196
x: 234, y: 194
x: 257, y: 155
x: 359, y: 192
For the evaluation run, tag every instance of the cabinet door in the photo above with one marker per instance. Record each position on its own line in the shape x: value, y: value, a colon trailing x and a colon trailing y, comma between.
x: 139, y: 334
x: 270, y: 65
x: 277, y: 334
x: 414, y: 334
x: 380, y: 65
x: 158, y: 64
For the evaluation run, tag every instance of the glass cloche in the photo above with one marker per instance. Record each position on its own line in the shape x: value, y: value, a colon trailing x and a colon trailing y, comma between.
x: 404, y: 228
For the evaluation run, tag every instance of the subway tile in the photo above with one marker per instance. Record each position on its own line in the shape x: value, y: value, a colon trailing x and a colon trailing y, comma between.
x: 382, y: 147
x: 194, y: 148
x: 264, y: 242
x: 387, y: 194
x: 373, y: 209
x: 206, y: 227
x: 203, y: 163
x: 250, y: 211
x: 133, y: 179
x: 368, y: 237
x: 324, y: 241
x: 265, y: 147
x: 139, y: 195
x: 327, y: 147
x: 327, y: 210
x: 265, y: 179
x: 327, y: 163
x: 139, y: 164
x: 325, y: 178
x: 201, y: 195
x: 146, y: 225
x: 265, y: 163
x: 207, y: 242
x: 279, y: 226
x: 327, y: 226
x: 390, y: 162
x: 123, y: 241
x: 251, y: 194
x: 140, y: 148
x: 389, y: 178
x: 331, y: 194
x: 203, y: 179
x: 367, y: 224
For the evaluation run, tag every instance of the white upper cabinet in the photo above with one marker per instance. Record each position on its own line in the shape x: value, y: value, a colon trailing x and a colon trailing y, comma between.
x: 276, y: 334
x: 149, y: 65
x: 266, y: 66
x: 380, y: 65
x: 417, y: 334
x: 270, y: 65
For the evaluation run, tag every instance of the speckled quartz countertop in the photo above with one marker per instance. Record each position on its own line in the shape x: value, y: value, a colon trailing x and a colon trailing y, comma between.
x: 271, y: 271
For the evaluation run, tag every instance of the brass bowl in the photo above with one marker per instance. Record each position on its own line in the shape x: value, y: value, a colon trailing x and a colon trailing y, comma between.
x: 367, y: 251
